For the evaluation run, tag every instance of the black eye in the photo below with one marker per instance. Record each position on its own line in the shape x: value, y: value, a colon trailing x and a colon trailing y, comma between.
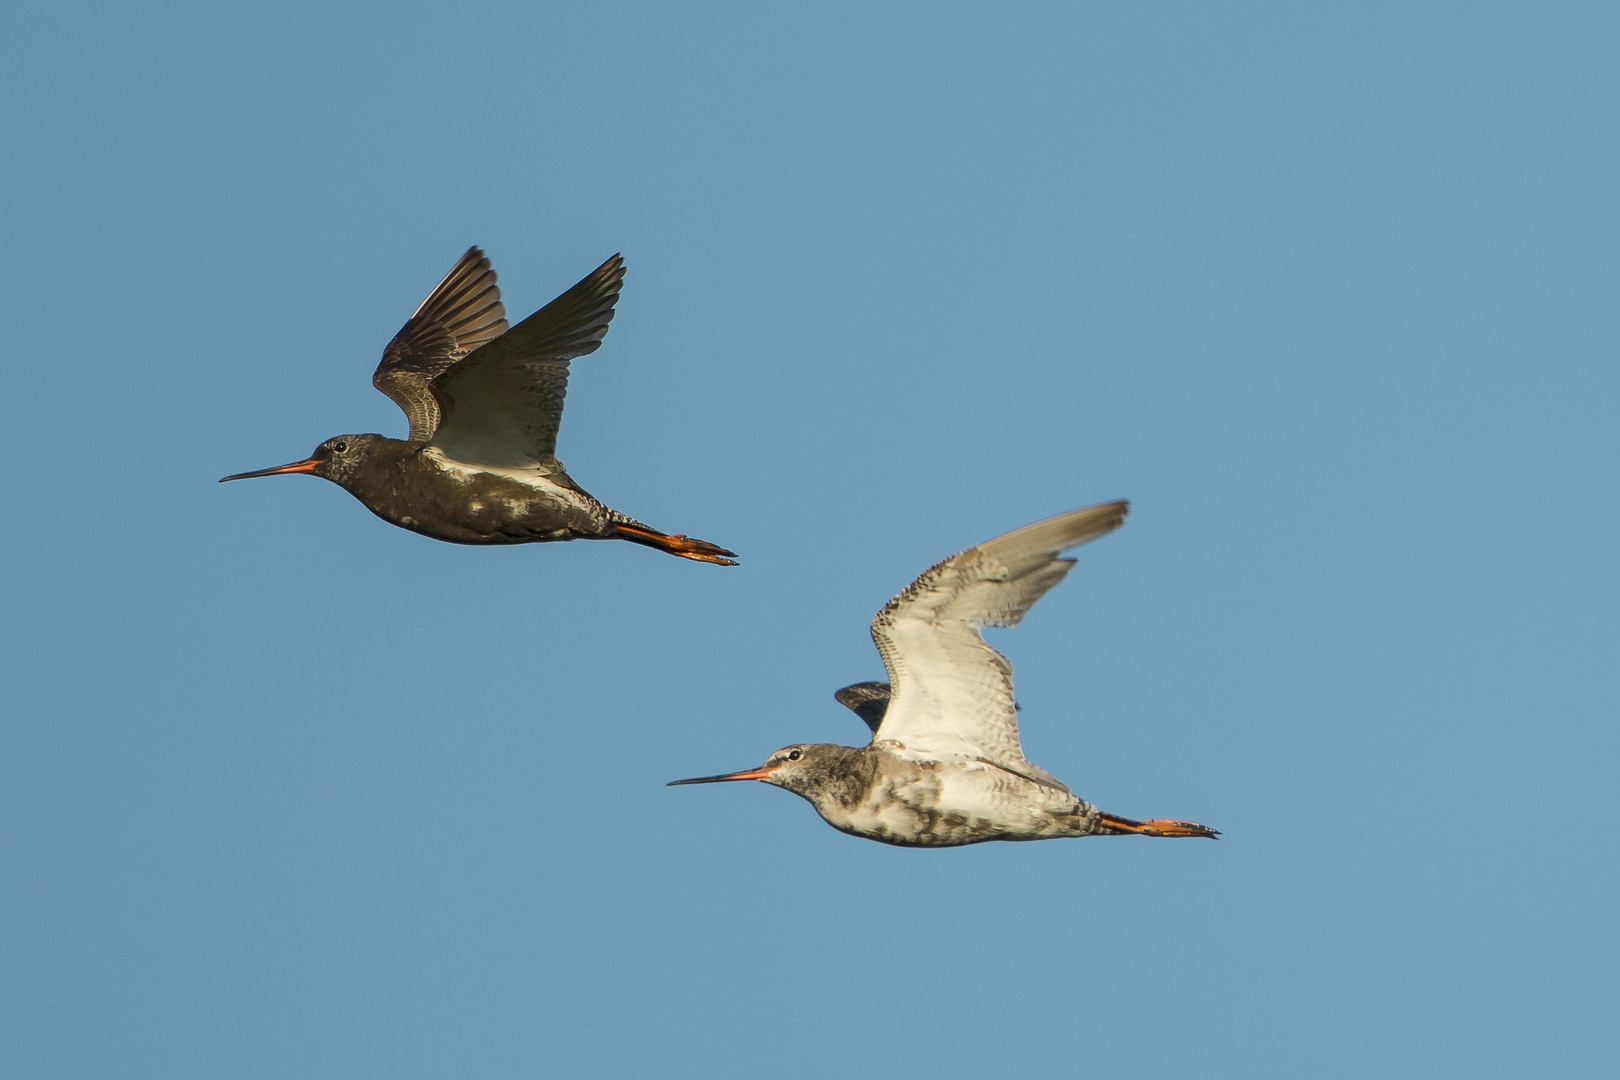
x: 795, y: 755
x: 340, y: 446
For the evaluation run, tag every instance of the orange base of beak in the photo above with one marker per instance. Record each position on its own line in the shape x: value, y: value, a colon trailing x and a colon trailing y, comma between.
x: 308, y: 465
x: 751, y: 774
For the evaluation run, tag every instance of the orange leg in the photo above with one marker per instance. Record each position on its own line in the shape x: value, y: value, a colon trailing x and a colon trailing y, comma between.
x: 684, y: 547
x: 1154, y: 827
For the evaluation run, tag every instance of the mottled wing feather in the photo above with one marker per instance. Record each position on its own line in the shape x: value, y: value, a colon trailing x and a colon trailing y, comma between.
x: 952, y: 693
x: 462, y: 312
x: 502, y: 405
x: 867, y: 700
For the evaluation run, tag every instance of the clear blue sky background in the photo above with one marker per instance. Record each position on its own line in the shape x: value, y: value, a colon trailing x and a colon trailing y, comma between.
x: 1330, y: 294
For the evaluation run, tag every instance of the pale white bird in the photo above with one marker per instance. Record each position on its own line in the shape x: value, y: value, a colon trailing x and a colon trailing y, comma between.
x: 944, y: 766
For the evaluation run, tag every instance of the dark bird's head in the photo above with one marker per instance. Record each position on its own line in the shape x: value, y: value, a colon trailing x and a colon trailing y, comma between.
x: 338, y: 459
x: 808, y: 769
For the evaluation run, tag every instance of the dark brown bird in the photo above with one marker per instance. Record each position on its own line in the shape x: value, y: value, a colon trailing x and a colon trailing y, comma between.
x: 945, y: 767
x: 484, y: 404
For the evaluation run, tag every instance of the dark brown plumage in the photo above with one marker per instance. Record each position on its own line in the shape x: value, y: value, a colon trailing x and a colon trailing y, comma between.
x: 484, y: 404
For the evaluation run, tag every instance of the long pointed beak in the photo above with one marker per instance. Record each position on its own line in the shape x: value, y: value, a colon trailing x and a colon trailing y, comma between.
x: 307, y: 465
x: 752, y: 774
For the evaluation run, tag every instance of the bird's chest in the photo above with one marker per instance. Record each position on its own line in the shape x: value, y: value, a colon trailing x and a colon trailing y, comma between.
x: 947, y: 805
x: 474, y: 506
x: 917, y: 807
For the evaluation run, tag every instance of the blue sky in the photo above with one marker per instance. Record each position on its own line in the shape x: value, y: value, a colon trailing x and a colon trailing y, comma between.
x: 1328, y: 293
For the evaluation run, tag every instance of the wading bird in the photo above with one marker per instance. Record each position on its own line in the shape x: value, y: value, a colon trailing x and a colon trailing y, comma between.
x: 484, y: 404
x: 944, y: 766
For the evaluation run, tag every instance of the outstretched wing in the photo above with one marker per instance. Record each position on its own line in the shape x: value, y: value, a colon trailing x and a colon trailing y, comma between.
x: 953, y: 694
x: 502, y: 405
x: 461, y: 313
x: 867, y: 700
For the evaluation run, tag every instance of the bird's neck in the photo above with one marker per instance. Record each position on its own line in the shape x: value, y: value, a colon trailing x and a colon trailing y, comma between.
x: 846, y: 775
x: 382, y: 461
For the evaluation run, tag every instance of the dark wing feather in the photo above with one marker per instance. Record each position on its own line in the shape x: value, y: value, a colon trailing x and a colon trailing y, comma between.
x: 868, y: 700
x: 462, y: 312
x: 502, y: 405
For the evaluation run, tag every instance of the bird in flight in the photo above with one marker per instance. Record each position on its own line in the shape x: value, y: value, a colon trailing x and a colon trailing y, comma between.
x: 944, y: 766
x: 484, y: 404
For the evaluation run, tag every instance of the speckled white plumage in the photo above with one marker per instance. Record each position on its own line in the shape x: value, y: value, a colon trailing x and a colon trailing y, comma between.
x: 945, y: 766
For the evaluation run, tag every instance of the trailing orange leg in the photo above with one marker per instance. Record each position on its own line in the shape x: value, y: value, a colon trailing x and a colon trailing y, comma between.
x: 1155, y: 827
x: 683, y: 546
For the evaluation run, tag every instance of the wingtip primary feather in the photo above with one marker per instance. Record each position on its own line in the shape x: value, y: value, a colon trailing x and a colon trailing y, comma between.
x: 472, y: 264
x: 1058, y: 533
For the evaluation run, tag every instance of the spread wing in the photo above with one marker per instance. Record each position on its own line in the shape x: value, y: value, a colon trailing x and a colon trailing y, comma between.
x: 502, y: 405
x: 867, y: 700
x: 953, y: 694
x: 461, y: 313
